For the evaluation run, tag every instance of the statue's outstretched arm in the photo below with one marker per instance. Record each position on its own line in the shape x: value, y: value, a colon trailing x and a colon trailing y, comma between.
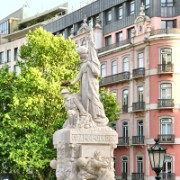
x: 77, y: 78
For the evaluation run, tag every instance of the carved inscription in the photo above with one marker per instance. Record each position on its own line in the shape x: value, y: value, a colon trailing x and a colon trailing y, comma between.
x: 94, y: 138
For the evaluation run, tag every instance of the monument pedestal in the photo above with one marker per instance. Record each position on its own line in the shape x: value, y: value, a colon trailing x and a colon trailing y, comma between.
x: 84, y: 154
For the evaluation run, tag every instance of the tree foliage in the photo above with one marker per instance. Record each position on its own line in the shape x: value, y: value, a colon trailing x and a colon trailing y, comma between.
x: 32, y: 107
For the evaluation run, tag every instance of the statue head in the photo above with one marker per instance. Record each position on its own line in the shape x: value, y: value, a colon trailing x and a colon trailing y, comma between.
x: 65, y: 91
x: 82, y: 51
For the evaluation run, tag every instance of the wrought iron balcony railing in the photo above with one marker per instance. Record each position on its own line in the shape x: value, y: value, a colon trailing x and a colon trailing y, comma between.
x: 123, y: 141
x: 115, y: 45
x: 138, y: 140
x: 124, y: 176
x: 138, y: 106
x: 165, y: 68
x: 167, y: 176
x: 124, y: 76
x: 165, y: 31
x: 137, y: 176
x: 139, y: 72
x: 166, y: 138
x: 165, y: 103
x: 125, y: 108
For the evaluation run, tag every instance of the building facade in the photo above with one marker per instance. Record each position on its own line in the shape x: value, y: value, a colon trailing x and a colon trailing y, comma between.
x: 138, y: 46
x: 139, y: 59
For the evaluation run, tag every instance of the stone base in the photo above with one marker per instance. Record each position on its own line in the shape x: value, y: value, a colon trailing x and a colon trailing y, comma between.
x: 84, y: 154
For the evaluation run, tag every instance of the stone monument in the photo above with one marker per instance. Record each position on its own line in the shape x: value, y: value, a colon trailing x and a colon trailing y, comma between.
x: 85, y: 145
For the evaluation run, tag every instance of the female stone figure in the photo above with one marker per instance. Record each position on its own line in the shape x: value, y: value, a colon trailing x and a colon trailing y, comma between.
x: 89, y: 84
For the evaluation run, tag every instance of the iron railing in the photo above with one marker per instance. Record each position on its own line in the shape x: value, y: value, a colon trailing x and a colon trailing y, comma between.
x: 138, y: 106
x: 138, y: 139
x: 123, y: 141
x: 139, y: 72
x: 115, y: 78
x: 115, y: 45
x: 165, y: 68
x: 165, y: 31
x: 166, y: 138
x: 137, y: 176
x: 124, y: 176
x: 125, y: 108
x: 167, y: 176
x: 165, y: 103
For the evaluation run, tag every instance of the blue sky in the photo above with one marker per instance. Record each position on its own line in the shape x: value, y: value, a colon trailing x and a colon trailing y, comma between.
x: 9, y: 6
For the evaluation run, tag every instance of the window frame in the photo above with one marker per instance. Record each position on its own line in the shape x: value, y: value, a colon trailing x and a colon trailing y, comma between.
x: 132, y: 7
x: 141, y: 163
x: 103, y: 69
x: 167, y: 3
x: 164, y: 51
x: 140, y: 96
x: 108, y: 15
x: 125, y: 97
x: 120, y: 12
x: 108, y: 40
x: 164, y: 94
x: 140, y: 128
x: 166, y: 24
x: 140, y: 60
x: 119, y: 36
x: 168, y: 123
x: 114, y: 67
x: 125, y: 129
x: 124, y: 164
x: 9, y: 55
x: 2, y: 57
x: 125, y: 64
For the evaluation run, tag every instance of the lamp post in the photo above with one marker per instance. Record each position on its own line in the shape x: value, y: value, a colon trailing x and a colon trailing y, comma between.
x: 156, y: 156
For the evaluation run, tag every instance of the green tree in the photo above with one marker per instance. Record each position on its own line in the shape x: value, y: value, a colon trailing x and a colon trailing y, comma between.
x: 32, y: 107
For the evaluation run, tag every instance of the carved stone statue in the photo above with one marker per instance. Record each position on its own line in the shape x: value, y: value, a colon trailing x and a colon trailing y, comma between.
x: 85, y: 144
x: 77, y: 116
x: 89, y: 84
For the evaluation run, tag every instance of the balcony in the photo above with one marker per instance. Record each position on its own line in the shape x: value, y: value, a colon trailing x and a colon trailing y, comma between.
x: 115, y: 78
x: 114, y: 46
x: 138, y: 73
x: 166, y: 138
x: 165, y: 103
x: 167, y: 176
x: 125, y: 108
x: 165, y: 68
x: 138, y: 106
x: 123, y: 141
x: 137, y: 176
x: 124, y: 176
x: 165, y: 31
x: 138, y: 140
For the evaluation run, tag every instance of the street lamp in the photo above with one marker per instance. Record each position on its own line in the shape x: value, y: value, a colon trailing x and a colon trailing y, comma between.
x: 156, y: 156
